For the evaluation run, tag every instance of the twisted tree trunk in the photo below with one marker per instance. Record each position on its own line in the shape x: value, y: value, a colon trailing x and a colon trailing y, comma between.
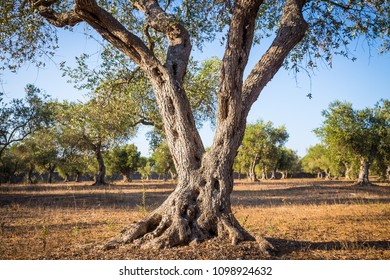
x: 101, y: 174
x: 199, y: 208
x: 363, y: 173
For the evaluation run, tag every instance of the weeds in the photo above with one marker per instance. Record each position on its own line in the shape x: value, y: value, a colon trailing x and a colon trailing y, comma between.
x: 142, y: 207
x: 76, y: 231
x: 43, y: 237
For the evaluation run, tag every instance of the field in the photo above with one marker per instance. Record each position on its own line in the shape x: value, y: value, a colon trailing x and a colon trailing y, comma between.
x: 303, y: 219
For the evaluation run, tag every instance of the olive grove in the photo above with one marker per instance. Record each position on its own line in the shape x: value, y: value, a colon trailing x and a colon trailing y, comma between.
x: 157, y: 37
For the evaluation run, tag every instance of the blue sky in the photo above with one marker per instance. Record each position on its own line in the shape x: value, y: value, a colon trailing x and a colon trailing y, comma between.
x: 283, y: 101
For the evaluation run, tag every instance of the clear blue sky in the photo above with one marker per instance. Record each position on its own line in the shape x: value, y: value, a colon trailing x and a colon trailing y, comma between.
x: 283, y: 101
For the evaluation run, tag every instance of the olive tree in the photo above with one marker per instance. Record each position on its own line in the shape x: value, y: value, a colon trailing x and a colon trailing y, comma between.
x: 19, y: 118
x: 124, y: 160
x: 359, y: 135
x: 158, y: 37
x: 260, y: 146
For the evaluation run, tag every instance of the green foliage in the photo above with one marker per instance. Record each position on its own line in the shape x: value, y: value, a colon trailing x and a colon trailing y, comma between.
x: 10, y: 164
x: 24, y: 35
x: 117, y: 80
x: 260, y: 145
x: 21, y: 117
x: 146, y: 168
x: 201, y: 84
x: 333, y: 25
x: 354, y: 136
x: 316, y: 160
x: 163, y: 161
x: 124, y: 160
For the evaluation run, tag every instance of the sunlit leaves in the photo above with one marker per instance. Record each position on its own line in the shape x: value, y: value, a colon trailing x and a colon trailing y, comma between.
x: 123, y: 159
x: 24, y: 36
x: 21, y: 117
x: 352, y: 135
x: 260, y: 144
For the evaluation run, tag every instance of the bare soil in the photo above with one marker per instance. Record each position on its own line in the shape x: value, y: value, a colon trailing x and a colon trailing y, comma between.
x: 303, y: 219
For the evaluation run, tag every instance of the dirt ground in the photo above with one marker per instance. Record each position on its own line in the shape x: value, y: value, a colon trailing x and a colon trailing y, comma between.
x: 303, y: 219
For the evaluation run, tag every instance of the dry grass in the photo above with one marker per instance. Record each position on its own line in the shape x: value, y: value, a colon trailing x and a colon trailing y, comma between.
x: 303, y: 219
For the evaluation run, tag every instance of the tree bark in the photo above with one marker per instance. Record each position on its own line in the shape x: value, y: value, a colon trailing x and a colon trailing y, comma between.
x: 126, y: 177
x: 264, y: 173
x: 252, y: 171
x: 363, y: 173
x: 66, y: 179
x: 51, y: 172
x: 273, y: 174
x: 30, y: 173
x: 198, y: 209
x: 77, y: 177
x: 388, y: 173
x: 101, y: 174
x: 348, y: 172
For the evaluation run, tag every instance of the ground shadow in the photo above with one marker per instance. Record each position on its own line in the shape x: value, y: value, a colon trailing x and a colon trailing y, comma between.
x: 311, y: 195
x: 135, y: 195
x: 286, y: 247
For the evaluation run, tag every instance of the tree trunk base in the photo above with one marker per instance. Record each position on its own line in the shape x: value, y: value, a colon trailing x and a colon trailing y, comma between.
x: 95, y: 184
x: 363, y: 183
x: 180, y: 221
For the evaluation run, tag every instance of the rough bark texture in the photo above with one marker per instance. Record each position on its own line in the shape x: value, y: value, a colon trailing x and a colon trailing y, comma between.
x: 101, y: 174
x: 363, y: 172
x: 273, y: 174
x: 51, y: 172
x: 252, y: 171
x: 199, y: 208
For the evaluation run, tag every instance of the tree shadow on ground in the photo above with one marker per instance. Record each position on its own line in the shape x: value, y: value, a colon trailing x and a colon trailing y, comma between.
x: 311, y: 195
x: 285, y: 247
x: 132, y: 196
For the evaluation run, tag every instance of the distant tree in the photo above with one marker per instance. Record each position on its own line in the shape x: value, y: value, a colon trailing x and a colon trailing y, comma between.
x: 359, y: 134
x: 287, y: 162
x: 317, y: 161
x: 72, y: 159
x: 45, y: 151
x: 124, y: 160
x: 10, y: 164
x: 146, y: 168
x: 260, y: 145
x: 241, y: 164
x: 382, y: 161
x: 21, y: 117
x: 97, y: 125
x: 163, y: 161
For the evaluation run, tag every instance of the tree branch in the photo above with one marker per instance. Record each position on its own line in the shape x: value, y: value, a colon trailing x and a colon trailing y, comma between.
x: 292, y: 30
x: 236, y: 55
x: 178, y: 38
x: 114, y: 32
x: 57, y: 19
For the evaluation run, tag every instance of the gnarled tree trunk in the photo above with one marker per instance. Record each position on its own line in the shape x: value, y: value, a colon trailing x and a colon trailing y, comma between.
x: 363, y: 172
x: 252, y: 170
x: 51, y: 172
x: 199, y: 208
x: 101, y: 174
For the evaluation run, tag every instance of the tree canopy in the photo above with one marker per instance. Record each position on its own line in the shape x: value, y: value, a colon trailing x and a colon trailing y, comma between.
x: 260, y: 146
x: 19, y: 118
x: 357, y: 135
